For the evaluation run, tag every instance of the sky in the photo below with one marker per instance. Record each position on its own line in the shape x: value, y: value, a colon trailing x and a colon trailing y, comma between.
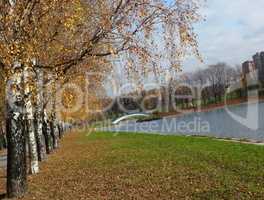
x: 232, y: 32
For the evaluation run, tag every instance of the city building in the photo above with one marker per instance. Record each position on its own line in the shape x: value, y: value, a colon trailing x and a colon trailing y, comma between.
x: 248, y: 67
x: 259, y: 64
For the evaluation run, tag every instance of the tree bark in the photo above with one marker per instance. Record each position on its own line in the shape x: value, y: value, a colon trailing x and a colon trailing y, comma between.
x: 60, y: 130
x: 33, y: 154
x: 53, y: 135
x: 1, y: 138
x: 16, y: 137
x: 16, y: 157
x: 39, y: 117
x: 40, y: 138
x: 46, y: 137
x: 53, y: 125
x: 47, y: 133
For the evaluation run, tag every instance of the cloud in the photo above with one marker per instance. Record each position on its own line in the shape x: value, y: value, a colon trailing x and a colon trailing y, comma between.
x: 233, y: 32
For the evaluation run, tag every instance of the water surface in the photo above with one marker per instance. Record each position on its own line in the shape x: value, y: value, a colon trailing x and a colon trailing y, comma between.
x: 246, y: 121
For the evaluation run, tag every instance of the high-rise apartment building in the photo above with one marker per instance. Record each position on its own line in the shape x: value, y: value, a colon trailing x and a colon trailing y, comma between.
x: 259, y: 64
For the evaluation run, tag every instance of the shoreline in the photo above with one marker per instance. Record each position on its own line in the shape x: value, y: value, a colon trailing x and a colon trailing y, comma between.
x: 212, y: 107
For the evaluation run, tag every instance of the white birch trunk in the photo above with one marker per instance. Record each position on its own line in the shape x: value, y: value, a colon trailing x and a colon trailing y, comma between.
x: 39, y: 116
x: 34, y: 166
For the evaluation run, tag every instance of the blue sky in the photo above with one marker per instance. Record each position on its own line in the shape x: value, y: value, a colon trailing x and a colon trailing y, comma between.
x: 232, y: 33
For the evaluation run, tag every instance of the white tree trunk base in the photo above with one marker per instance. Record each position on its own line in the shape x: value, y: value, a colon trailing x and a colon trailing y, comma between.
x: 34, y: 167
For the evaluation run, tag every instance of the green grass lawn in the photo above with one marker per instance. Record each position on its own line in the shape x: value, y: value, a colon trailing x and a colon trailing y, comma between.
x: 140, y: 166
x: 173, y: 166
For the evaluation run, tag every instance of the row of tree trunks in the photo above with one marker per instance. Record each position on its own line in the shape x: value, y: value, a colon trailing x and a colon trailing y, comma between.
x: 18, y: 132
x: 27, y: 125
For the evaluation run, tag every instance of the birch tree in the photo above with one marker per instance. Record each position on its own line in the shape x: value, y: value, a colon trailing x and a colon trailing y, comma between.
x: 16, y: 135
x: 29, y: 120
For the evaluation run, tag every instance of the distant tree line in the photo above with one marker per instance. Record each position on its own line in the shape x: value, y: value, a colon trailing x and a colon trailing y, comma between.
x: 208, y: 85
x: 213, y: 81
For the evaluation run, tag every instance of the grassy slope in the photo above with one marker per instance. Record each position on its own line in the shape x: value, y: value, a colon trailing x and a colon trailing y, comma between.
x: 137, y: 166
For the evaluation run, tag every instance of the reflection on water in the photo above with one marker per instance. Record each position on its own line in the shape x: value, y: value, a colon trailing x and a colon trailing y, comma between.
x: 219, y: 123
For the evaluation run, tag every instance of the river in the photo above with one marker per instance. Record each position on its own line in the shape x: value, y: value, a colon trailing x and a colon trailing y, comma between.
x: 244, y: 121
